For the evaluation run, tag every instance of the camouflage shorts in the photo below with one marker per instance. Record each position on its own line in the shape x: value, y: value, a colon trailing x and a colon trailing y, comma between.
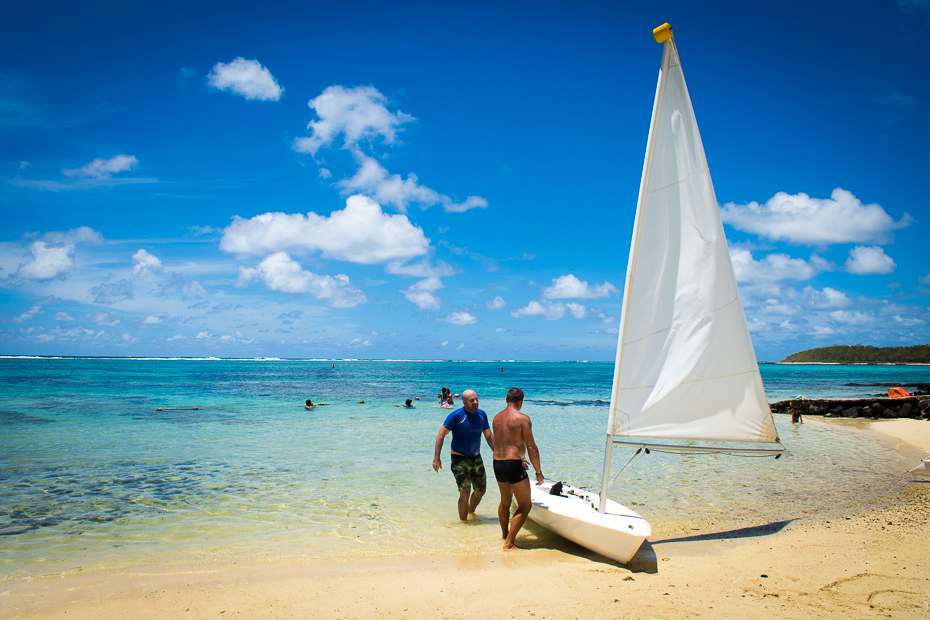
x: 469, y: 472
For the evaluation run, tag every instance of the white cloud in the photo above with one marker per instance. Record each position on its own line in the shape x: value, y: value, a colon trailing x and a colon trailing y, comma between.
x: 570, y: 287
x: 578, y: 311
x: 177, y: 337
x: 183, y: 287
x: 53, y: 256
x: 772, y: 268
x: 361, y: 114
x: 104, y: 168
x: 63, y: 316
x: 421, y: 293
x: 800, y: 219
x: 852, y: 318
x: 373, y: 179
x: 827, y: 298
x: 46, y: 261
x: 497, y: 303
x: 357, y: 113
x: 869, y: 260
x: 144, y: 263
x: 106, y: 319
x: 155, y: 319
x: 112, y: 292
x: 460, y: 347
x: 358, y: 342
x: 924, y: 279
x: 204, y: 336
x: 460, y: 318
x: 245, y: 77
x: 551, y: 311
x: 28, y: 314
x: 500, y: 329
x: 422, y: 269
x: 280, y: 272
x: 360, y: 233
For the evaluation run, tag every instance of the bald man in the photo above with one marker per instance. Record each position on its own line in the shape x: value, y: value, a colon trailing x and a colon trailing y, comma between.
x: 467, y: 425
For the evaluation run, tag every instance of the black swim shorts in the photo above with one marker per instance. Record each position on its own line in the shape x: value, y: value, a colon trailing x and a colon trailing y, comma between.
x: 510, y: 472
x: 469, y: 472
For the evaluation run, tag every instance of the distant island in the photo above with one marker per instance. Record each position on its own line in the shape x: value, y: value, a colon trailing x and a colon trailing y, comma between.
x: 859, y: 354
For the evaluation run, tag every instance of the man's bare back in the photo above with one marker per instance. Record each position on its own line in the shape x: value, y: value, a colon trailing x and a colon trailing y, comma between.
x: 510, y: 430
x: 513, y: 437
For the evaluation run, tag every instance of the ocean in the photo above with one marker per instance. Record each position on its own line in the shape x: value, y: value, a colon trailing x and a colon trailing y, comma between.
x: 93, y: 476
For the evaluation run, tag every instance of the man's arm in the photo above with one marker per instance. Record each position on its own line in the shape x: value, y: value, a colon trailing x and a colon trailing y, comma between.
x: 489, y: 436
x: 440, y: 439
x: 532, y: 449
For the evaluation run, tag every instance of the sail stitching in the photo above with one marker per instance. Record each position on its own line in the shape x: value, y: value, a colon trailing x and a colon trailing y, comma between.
x: 691, y: 320
x: 735, y: 374
x: 701, y: 171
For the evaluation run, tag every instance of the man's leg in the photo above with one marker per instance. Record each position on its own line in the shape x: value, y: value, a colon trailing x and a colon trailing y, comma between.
x: 503, y: 509
x: 521, y: 492
x: 475, y: 500
x: 464, y: 495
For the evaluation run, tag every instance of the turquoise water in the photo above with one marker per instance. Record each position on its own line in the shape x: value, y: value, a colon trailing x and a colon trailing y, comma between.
x: 93, y: 477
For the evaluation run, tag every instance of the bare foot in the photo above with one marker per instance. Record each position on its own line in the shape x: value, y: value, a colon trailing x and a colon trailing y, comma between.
x: 512, y: 548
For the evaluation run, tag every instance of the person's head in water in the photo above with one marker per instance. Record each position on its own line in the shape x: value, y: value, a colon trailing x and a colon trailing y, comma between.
x: 514, y: 395
x: 309, y: 403
x: 409, y: 403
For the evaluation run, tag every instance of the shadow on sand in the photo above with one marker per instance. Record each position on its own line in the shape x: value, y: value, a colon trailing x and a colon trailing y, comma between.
x: 645, y: 560
x: 743, y: 532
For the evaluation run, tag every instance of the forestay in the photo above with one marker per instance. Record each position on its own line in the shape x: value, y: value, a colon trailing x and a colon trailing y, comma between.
x: 685, y: 368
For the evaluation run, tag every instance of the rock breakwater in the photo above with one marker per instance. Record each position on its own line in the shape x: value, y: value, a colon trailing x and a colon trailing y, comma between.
x: 916, y: 407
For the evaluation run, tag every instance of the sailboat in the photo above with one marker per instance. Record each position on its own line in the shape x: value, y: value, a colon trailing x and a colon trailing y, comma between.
x: 686, y: 377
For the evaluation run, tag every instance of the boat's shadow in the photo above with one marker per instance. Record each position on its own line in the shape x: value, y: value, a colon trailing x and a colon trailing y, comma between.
x: 645, y: 560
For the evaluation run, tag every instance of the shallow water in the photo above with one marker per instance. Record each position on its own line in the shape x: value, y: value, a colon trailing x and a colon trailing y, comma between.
x: 92, y: 476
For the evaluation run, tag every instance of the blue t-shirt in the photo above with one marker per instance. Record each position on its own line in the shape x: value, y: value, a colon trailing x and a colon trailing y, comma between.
x: 467, y: 429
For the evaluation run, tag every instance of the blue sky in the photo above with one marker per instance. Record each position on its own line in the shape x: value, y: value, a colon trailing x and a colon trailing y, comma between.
x: 444, y: 180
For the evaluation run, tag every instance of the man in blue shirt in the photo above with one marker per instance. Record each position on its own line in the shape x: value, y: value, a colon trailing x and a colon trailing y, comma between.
x: 467, y: 425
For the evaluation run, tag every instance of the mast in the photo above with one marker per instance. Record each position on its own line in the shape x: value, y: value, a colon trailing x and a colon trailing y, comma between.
x: 662, y: 34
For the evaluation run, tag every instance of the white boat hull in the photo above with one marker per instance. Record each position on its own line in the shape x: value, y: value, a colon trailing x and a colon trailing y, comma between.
x: 923, y: 469
x: 616, y: 534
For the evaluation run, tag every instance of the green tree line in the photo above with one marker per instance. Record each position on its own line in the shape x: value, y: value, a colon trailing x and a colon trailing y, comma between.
x: 916, y: 354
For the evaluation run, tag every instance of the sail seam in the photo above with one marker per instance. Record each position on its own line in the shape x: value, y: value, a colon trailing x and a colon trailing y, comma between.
x: 679, y: 181
x: 691, y: 320
x: 735, y: 374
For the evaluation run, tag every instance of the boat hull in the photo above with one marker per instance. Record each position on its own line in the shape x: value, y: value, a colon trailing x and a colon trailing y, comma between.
x: 923, y: 469
x: 617, y: 534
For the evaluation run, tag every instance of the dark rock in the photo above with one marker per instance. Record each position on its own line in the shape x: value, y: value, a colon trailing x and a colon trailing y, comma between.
x: 905, y: 410
x: 849, y: 413
x: 877, y: 410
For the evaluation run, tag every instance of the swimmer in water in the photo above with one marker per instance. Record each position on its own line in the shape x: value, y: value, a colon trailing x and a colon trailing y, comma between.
x: 409, y: 403
x: 309, y: 404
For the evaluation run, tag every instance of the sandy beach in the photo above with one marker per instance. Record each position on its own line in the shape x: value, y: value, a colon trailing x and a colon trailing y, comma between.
x: 870, y: 561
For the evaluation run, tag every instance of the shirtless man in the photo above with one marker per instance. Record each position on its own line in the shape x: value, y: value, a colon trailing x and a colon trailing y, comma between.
x: 513, y: 437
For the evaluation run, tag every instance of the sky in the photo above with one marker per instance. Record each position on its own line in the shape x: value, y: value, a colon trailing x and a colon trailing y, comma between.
x: 444, y: 180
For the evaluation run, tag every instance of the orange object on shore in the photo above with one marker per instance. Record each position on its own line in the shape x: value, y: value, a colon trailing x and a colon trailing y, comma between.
x: 898, y: 393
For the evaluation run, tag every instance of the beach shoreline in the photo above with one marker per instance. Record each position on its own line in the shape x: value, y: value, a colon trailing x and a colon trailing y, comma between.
x: 870, y: 560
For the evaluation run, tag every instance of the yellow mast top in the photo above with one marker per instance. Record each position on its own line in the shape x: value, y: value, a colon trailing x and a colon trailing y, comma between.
x: 662, y: 33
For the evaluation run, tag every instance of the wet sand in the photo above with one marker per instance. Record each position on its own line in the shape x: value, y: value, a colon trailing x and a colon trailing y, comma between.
x: 869, y: 561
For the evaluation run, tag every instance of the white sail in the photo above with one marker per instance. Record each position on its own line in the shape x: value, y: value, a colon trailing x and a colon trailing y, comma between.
x: 685, y: 368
